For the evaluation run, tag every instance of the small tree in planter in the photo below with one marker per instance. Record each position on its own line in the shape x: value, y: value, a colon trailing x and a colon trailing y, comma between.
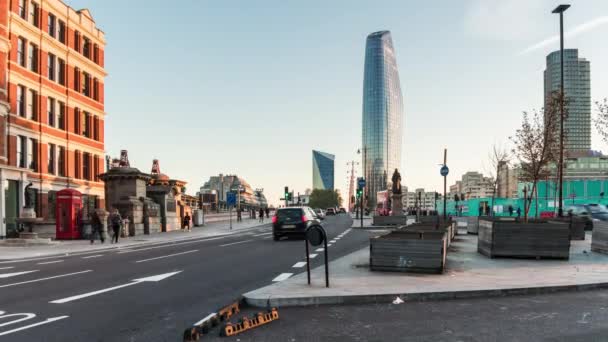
x: 536, y: 145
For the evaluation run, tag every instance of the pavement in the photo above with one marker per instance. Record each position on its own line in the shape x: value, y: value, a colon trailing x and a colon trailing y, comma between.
x: 150, y: 292
x: 468, y: 274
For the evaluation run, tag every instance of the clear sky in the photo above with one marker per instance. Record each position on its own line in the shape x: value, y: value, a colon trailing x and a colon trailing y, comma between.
x: 252, y: 87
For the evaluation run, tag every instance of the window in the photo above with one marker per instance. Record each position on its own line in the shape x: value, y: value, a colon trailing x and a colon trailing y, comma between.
x: 21, y: 51
x: 86, y: 166
x: 96, y: 128
x: 34, y: 18
x: 61, y: 31
x: 86, y: 124
x: 32, y: 155
x: 21, y: 141
x: 86, y: 48
x: 86, y: 88
x: 61, y: 115
x: 77, y: 79
x: 51, y: 25
x: 22, y: 12
x: 32, y: 58
x: 77, y: 41
x: 96, y: 89
x: 76, y: 164
x: 61, y: 71
x: 77, y: 121
x: 32, y: 105
x: 21, y: 100
x: 96, y: 168
x: 52, y: 71
x: 96, y: 53
x: 61, y: 161
x: 51, y: 159
x: 52, y: 198
x: 50, y: 109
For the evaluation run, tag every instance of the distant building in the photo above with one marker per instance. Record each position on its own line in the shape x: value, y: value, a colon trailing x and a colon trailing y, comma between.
x: 322, y: 170
x: 507, y: 181
x: 222, y: 184
x: 473, y: 185
x: 577, y: 88
x: 427, y: 199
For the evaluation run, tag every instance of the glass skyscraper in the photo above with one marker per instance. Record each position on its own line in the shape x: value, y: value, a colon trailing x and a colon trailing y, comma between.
x: 382, y: 115
x: 322, y: 170
x: 577, y: 87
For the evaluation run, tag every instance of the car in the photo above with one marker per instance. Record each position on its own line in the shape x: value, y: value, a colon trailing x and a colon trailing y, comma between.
x: 590, y: 212
x: 293, y: 221
x: 342, y: 211
x: 330, y: 211
x: 319, y: 212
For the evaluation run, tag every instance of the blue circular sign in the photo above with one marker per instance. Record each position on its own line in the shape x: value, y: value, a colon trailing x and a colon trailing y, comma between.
x: 444, y: 170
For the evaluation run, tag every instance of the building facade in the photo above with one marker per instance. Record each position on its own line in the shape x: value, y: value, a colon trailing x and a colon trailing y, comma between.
x: 382, y: 114
x: 419, y: 198
x: 219, y: 186
x: 473, y: 185
x: 322, y: 170
x: 506, y: 186
x: 577, y: 89
x: 51, y: 107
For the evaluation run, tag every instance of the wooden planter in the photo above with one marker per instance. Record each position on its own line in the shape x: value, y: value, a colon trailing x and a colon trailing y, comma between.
x: 599, y: 237
x: 389, y: 220
x: 472, y: 225
x: 422, y: 251
x: 540, y: 239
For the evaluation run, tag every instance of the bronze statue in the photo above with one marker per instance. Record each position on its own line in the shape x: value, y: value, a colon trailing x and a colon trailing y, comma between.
x: 28, y: 196
x: 396, y: 183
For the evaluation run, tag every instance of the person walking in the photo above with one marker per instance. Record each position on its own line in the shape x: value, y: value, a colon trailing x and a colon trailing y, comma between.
x: 518, y: 212
x: 115, y: 222
x: 510, y: 210
x: 261, y: 215
x: 267, y: 212
x: 96, y: 228
x: 239, y: 216
x: 186, y: 222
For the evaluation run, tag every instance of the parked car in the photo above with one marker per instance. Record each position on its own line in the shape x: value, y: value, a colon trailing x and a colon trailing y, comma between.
x: 292, y: 221
x: 320, y: 213
x: 330, y: 211
x: 590, y: 212
x: 342, y: 211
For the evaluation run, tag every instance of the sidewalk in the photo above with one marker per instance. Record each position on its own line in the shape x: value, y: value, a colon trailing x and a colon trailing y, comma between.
x: 468, y: 274
x: 68, y: 247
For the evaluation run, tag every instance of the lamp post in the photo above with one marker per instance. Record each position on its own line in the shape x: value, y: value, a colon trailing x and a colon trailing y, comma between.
x: 560, y: 10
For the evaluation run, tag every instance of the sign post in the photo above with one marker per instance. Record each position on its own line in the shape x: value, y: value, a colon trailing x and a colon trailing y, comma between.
x: 361, y: 185
x: 315, y: 235
x: 444, y: 172
x: 231, y: 201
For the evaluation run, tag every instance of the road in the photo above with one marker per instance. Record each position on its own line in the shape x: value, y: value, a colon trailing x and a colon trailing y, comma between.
x: 149, y: 293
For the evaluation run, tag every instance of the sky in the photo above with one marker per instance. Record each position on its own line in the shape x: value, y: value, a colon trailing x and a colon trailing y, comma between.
x: 252, y: 87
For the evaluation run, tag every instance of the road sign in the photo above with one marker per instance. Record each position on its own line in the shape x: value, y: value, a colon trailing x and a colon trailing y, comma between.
x: 231, y: 198
x: 361, y: 182
x: 444, y: 170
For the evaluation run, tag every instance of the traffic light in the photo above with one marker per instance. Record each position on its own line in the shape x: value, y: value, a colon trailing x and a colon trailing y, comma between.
x: 286, y: 196
x: 359, y: 192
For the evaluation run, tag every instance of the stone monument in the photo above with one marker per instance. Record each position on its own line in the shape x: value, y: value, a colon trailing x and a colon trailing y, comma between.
x: 397, y: 204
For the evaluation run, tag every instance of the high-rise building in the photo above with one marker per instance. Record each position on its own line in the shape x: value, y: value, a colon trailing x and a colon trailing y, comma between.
x: 51, y: 107
x: 577, y: 90
x: 382, y: 115
x: 322, y: 170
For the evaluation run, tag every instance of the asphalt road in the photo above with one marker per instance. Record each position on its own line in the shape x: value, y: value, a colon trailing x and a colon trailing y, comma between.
x: 148, y: 293
x: 566, y: 316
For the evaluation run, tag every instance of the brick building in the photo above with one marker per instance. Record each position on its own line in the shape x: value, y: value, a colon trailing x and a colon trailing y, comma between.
x: 51, y: 106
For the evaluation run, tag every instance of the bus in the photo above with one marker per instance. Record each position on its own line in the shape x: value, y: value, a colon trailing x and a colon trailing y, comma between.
x: 383, y: 203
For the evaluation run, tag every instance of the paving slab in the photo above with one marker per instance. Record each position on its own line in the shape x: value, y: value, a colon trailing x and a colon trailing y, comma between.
x: 468, y: 274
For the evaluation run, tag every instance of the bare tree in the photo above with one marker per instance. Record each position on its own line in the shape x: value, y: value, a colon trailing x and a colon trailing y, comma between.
x: 601, y: 119
x: 499, y: 158
x: 536, y: 145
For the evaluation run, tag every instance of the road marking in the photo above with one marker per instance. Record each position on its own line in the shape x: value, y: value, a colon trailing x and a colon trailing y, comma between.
x: 167, y: 256
x: 7, y: 268
x: 312, y: 256
x: 155, y: 278
x: 204, y: 319
x: 49, y: 262
x: 332, y: 241
x: 8, y: 275
x: 25, y: 317
x: 48, y: 320
x: 93, y: 256
x: 263, y: 234
x: 299, y: 264
x: 282, y: 276
x: 329, y: 244
x: 42, y: 279
x: 319, y: 249
x: 168, y: 245
x: 235, y: 243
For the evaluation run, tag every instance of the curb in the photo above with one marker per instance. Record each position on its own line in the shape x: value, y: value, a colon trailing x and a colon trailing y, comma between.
x: 418, y: 297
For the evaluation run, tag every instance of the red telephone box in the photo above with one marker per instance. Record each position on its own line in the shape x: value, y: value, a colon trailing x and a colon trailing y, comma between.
x: 67, y: 208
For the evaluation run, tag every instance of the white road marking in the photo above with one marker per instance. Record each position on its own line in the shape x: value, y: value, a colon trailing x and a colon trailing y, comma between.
x: 319, y: 249
x: 49, y: 262
x: 329, y: 244
x: 168, y: 245
x: 42, y: 279
x: 204, y: 319
x: 155, y: 278
x: 235, y: 243
x: 167, y: 256
x: 299, y: 264
x: 7, y: 268
x: 312, y: 256
x: 263, y: 234
x: 25, y: 317
x: 93, y: 256
x: 8, y: 275
x: 282, y: 276
x: 48, y: 320
x: 332, y: 241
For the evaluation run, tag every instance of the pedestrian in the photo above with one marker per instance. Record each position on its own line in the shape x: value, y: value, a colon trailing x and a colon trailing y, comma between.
x: 239, y: 216
x: 510, y: 210
x: 186, y: 222
x: 518, y: 212
x: 261, y: 215
x: 253, y: 213
x: 267, y: 212
x: 480, y: 211
x: 115, y: 222
x: 96, y: 228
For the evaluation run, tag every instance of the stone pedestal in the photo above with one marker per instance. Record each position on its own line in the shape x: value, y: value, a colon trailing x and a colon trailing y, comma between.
x: 397, y: 205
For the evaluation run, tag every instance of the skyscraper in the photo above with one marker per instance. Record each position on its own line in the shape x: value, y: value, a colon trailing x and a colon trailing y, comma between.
x: 577, y: 89
x: 322, y: 170
x: 382, y: 114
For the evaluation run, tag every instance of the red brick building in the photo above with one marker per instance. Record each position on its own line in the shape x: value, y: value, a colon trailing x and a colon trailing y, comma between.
x: 51, y: 106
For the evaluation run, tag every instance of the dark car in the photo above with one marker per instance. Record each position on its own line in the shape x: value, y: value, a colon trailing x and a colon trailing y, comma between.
x: 342, y: 211
x: 590, y: 212
x: 330, y: 211
x: 292, y: 221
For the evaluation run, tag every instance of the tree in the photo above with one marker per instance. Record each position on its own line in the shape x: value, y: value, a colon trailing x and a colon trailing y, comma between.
x: 535, y: 145
x: 499, y: 158
x: 325, y: 198
x: 601, y: 119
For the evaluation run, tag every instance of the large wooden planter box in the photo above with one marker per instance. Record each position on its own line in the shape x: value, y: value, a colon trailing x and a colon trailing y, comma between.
x: 541, y: 239
x: 577, y: 227
x: 472, y: 225
x: 434, y: 226
x: 409, y: 250
x: 389, y: 220
x: 599, y: 237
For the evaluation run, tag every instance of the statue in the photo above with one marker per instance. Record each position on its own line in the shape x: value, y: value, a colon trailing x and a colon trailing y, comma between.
x: 396, y: 183
x: 28, y: 196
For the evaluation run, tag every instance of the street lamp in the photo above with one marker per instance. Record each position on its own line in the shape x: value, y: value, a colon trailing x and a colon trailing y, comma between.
x: 561, y: 9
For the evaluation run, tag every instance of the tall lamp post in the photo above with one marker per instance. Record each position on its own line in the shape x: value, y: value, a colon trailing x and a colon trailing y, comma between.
x: 560, y: 10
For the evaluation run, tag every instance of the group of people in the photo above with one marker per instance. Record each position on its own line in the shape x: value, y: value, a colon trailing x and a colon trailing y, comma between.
x: 115, y: 222
x: 252, y: 214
